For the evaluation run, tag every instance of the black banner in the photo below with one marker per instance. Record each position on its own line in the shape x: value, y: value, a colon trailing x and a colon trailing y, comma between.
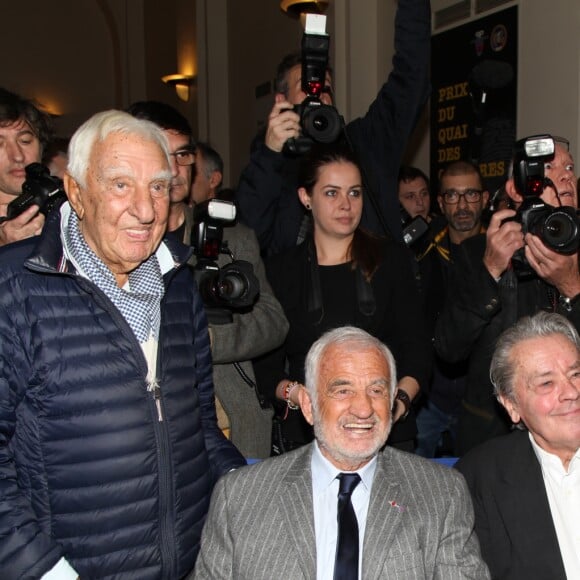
x: 473, y: 103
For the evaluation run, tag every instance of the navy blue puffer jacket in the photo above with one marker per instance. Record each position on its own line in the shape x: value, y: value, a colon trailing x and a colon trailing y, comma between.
x: 87, y: 470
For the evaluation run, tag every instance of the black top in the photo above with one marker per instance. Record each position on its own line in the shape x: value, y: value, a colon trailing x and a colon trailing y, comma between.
x: 396, y: 321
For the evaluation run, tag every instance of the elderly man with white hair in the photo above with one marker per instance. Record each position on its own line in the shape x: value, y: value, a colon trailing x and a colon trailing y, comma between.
x: 109, y: 442
x: 341, y: 508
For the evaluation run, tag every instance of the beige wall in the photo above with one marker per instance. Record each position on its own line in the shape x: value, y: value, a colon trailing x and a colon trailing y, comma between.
x: 549, y: 69
x: 243, y: 42
x: 49, y: 53
x: 80, y: 56
x: 77, y: 57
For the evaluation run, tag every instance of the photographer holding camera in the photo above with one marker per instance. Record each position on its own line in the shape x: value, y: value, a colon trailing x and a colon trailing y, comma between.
x: 249, y: 332
x: 24, y: 131
x: 252, y: 330
x: 527, y: 261
x: 267, y: 190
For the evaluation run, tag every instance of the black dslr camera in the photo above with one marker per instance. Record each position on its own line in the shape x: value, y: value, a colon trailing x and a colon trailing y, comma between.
x: 320, y: 123
x: 41, y: 189
x: 557, y: 227
x: 232, y: 287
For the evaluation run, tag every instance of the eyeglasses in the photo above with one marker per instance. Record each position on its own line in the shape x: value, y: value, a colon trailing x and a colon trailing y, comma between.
x: 184, y: 157
x: 452, y: 196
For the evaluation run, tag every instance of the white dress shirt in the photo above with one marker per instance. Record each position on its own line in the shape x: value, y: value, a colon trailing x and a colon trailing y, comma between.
x: 325, y: 499
x: 563, y: 489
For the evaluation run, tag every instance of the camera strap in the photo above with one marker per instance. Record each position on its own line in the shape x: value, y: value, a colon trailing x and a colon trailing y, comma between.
x: 315, y: 305
x: 508, y: 285
x: 264, y: 404
x: 364, y: 291
x: 435, y: 243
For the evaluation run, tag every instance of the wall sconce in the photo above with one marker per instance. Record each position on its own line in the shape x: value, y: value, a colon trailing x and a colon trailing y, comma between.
x: 182, y: 83
x: 296, y: 7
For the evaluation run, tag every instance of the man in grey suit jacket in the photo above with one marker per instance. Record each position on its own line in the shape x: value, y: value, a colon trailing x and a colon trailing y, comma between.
x: 278, y: 519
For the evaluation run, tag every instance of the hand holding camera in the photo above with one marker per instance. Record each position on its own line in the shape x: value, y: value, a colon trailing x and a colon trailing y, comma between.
x: 318, y: 121
x: 559, y: 270
x: 39, y: 189
x: 283, y: 124
x: 27, y: 224
x: 41, y: 193
x: 504, y: 237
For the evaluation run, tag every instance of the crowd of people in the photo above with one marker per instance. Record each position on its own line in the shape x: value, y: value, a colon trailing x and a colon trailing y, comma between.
x: 148, y: 348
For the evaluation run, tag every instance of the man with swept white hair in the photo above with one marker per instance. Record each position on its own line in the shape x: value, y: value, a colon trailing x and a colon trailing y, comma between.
x: 341, y: 508
x: 109, y: 440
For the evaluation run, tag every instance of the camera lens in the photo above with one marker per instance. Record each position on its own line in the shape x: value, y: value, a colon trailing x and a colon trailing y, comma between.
x: 231, y: 286
x: 559, y: 231
x: 322, y: 123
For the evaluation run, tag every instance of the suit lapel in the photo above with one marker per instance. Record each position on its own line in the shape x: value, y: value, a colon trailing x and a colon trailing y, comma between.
x: 298, y: 511
x: 526, y: 514
x: 387, y: 505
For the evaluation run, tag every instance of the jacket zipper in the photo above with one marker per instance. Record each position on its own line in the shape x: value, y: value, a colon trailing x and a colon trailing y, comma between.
x: 166, y: 492
x: 157, y: 398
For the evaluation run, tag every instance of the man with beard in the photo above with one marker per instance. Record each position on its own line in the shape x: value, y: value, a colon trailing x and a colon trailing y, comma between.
x: 340, y: 507
x: 486, y: 295
x: 462, y: 198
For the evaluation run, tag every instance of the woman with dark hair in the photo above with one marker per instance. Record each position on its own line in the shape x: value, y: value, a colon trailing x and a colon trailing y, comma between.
x: 341, y: 275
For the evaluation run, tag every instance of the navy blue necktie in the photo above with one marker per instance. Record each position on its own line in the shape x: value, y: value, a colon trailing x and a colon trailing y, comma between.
x: 346, y: 562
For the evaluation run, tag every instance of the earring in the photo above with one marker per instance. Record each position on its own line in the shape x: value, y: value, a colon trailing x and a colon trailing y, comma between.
x: 308, y: 206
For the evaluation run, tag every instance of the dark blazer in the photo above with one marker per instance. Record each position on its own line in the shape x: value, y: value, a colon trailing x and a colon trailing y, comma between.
x: 420, y: 523
x: 512, y: 515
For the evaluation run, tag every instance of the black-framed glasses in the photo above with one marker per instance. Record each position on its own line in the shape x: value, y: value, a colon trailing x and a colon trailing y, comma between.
x: 184, y: 156
x: 452, y: 196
